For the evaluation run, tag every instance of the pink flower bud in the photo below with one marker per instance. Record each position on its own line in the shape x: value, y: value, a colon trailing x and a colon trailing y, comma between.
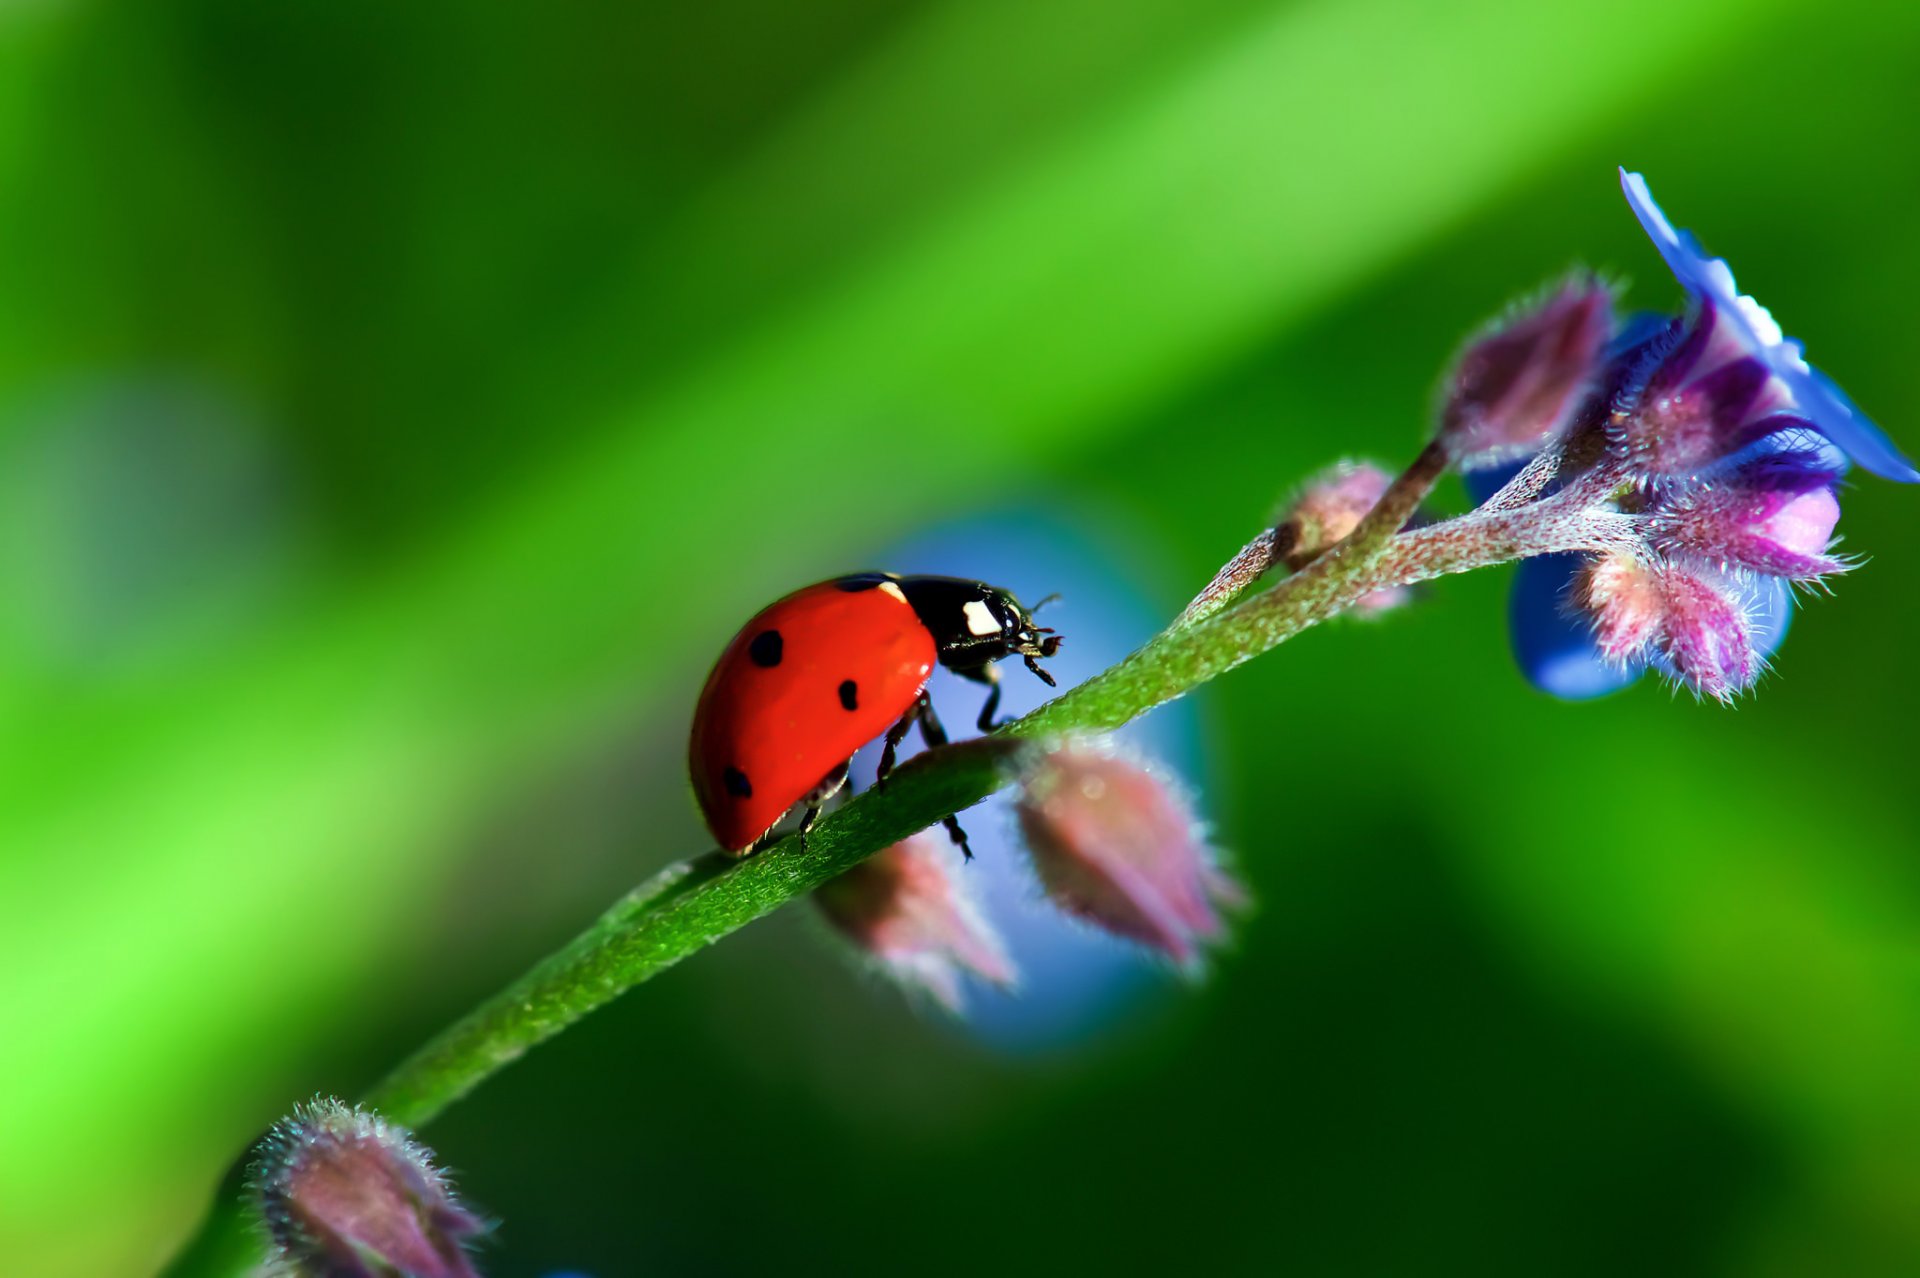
x: 1332, y: 506
x: 1623, y: 597
x: 1705, y: 635
x: 1515, y: 387
x: 904, y: 909
x: 1776, y: 517
x: 1115, y: 845
x: 346, y: 1194
x: 1704, y: 398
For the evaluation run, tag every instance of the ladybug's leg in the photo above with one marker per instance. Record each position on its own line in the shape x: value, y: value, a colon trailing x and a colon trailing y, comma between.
x: 989, y: 675
x: 930, y: 730
x: 935, y: 736
x: 958, y: 835
x: 895, y: 735
x: 817, y: 797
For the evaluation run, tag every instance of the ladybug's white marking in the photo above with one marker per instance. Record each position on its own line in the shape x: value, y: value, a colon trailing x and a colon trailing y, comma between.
x: 889, y: 588
x: 980, y: 619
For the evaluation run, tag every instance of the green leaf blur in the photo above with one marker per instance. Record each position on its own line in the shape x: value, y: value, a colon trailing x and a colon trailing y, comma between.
x: 399, y: 404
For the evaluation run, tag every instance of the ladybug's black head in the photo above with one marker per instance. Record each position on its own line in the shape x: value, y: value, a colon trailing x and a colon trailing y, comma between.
x: 975, y: 624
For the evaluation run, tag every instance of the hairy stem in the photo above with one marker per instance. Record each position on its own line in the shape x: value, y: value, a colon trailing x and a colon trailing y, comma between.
x: 1235, y: 578
x: 1367, y: 540
x: 693, y: 903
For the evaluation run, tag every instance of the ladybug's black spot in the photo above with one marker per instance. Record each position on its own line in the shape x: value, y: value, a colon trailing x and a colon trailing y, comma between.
x: 861, y: 581
x: 766, y: 649
x: 849, y: 694
x: 737, y: 784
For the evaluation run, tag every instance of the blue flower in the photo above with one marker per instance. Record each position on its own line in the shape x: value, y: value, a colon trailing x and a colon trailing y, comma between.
x: 1708, y: 280
x: 1555, y: 647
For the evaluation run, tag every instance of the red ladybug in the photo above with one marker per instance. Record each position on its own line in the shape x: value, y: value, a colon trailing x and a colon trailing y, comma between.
x: 822, y: 672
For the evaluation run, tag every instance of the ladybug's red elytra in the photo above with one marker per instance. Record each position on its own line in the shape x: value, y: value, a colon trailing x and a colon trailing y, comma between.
x: 829, y: 668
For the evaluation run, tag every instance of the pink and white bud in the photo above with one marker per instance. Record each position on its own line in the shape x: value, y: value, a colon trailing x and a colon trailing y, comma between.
x: 904, y: 909
x: 1515, y: 387
x: 1775, y: 518
x: 1705, y: 634
x: 1623, y: 598
x: 1332, y: 506
x: 346, y: 1194
x: 1115, y: 845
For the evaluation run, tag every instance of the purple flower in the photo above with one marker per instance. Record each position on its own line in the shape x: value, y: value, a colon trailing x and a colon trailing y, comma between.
x: 1728, y: 448
x: 1773, y: 516
x: 1704, y: 634
x: 1732, y: 320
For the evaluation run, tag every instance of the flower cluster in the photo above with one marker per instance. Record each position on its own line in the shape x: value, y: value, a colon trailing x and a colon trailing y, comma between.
x: 1704, y: 453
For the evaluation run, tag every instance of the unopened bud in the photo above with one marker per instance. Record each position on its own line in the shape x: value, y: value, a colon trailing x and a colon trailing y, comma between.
x: 1115, y: 845
x: 1623, y: 598
x: 346, y: 1194
x: 1515, y: 387
x: 1704, y: 634
x: 1703, y: 399
x: 1775, y: 517
x: 1332, y: 506
x: 904, y: 909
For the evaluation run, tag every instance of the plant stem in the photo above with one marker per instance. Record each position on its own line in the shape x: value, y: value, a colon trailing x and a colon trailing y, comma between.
x: 693, y: 903
x: 1235, y: 578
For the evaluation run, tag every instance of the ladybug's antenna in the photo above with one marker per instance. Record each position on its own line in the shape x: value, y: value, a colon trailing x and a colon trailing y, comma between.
x: 1052, y: 598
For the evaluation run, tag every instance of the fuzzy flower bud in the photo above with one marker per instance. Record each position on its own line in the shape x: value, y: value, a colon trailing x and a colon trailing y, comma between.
x: 904, y: 909
x: 1624, y: 599
x: 1332, y: 506
x: 1775, y: 517
x: 346, y: 1194
x: 1703, y: 399
x: 1705, y: 635
x: 1113, y: 844
x: 1514, y: 388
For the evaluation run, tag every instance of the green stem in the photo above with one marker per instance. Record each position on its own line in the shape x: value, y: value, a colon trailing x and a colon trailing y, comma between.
x: 694, y: 903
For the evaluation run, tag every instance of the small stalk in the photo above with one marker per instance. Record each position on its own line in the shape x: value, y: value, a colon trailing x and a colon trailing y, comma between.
x: 693, y: 903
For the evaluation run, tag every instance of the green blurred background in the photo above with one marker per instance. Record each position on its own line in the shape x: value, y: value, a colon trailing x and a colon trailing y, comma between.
x: 400, y: 403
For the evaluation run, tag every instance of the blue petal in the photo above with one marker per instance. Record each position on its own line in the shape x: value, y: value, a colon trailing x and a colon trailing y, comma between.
x: 1814, y: 394
x: 1830, y: 409
x: 1556, y: 652
x: 1769, y: 611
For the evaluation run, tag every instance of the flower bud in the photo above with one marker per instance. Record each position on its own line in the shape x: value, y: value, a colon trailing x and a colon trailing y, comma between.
x: 1703, y: 398
x: 1113, y: 844
x: 904, y: 909
x: 1332, y: 506
x: 1705, y: 635
x: 1514, y: 388
x: 1775, y: 517
x: 1623, y: 598
x: 346, y: 1194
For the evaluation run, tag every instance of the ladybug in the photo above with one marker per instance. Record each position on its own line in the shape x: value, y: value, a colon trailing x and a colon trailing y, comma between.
x: 829, y: 668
